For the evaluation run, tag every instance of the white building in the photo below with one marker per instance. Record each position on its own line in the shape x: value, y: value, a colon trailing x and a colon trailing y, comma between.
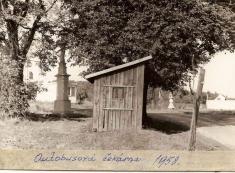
x: 221, y: 102
x: 33, y: 73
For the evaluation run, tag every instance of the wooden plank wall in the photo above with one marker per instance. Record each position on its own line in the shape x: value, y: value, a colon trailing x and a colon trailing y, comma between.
x: 105, y: 118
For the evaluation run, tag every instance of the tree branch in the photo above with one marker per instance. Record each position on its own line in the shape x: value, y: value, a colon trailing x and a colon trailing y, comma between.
x: 25, y: 27
x: 3, y: 10
x: 53, y: 3
x: 30, y: 38
x: 34, y: 28
x: 26, y: 10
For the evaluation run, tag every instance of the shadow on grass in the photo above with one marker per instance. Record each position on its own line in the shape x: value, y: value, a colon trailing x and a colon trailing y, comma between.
x: 74, y: 115
x: 165, y: 125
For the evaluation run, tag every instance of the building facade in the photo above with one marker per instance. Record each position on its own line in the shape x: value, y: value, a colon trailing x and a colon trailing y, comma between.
x: 33, y: 73
x: 221, y: 102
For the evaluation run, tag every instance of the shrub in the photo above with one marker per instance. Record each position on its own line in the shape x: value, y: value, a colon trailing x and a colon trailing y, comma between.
x: 13, y: 96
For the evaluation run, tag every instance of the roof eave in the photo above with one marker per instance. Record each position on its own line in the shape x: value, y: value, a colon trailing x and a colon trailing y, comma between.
x: 91, y: 77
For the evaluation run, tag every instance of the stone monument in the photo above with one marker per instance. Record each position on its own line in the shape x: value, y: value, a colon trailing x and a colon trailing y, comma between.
x: 62, y: 103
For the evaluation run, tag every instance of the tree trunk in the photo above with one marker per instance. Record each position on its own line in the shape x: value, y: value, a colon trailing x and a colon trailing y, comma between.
x: 15, y: 54
x: 196, y: 103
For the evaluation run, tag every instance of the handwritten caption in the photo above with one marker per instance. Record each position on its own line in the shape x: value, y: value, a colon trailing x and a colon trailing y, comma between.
x: 166, y: 160
x: 158, y: 161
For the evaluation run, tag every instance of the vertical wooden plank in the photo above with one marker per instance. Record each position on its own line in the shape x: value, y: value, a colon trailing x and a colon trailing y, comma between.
x: 98, y: 97
x: 130, y: 96
x: 122, y: 78
x: 140, y: 91
x: 95, y: 106
x: 120, y: 120
x: 129, y: 120
x: 134, y: 96
x: 106, y: 120
x: 123, y: 113
x: 122, y: 82
x: 127, y: 107
x: 132, y: 106
x: 110, y: 120
x: 106, y: 95
x: 114, y: 120
x: 102, y: 94
x: 117, y: 120
x: 118, y: 78
x: 110, y: 97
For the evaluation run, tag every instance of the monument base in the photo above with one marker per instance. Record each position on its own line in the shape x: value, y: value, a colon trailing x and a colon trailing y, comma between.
x: 62, y: 106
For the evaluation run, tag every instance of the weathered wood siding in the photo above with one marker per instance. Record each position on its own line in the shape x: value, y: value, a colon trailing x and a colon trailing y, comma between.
x: 118, y: 100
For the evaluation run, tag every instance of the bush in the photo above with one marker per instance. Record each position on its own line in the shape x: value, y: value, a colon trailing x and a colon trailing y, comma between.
x: 81, y: 95
x: 14, y: 96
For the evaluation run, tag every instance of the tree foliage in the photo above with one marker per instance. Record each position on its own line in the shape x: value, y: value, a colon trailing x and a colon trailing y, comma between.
x: 180, y: 35
x: 13, y: 98
x: 33, y: 28
x: 228, y: 11
x: 22, y: 24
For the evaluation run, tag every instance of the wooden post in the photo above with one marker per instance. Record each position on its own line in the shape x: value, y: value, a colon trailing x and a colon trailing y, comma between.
x: 196, y: 103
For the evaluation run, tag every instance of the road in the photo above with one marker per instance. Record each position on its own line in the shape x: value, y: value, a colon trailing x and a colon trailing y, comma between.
x: 222, y: 134
x: 216, y: 125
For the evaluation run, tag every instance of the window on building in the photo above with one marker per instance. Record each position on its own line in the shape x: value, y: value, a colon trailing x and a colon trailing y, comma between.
x: 118, y: 97
x: 31, y: 75
x: 69, y: 91
x: 72, y: 91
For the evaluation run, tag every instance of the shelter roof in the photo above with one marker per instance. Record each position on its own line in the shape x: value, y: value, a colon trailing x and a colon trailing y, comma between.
x: 91, y: 76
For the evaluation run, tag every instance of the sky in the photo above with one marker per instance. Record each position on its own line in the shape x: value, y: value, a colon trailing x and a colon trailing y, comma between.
x: 219, y: 76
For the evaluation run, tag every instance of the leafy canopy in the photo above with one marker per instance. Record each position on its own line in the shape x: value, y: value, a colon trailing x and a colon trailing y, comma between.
x: 180, y: 35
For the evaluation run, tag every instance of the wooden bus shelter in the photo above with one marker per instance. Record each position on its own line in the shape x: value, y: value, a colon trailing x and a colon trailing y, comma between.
x: 118, y: 96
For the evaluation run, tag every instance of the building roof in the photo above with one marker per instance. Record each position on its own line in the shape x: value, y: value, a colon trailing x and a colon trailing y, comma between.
x: 119, y: 67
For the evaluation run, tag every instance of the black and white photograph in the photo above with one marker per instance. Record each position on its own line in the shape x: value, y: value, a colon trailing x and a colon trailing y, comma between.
x: 117, y: 75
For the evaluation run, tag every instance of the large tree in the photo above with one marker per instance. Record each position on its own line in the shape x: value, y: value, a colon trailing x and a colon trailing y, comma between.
x: 28, y: 28
x: 20, y: 22
x: 228, y: 5
x: 180, y: 35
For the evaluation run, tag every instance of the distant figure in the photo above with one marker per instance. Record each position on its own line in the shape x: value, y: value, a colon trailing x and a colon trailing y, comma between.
x: 171, y: 101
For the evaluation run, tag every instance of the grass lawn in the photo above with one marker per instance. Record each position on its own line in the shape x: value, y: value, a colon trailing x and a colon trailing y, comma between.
x: 75, y: 133
x: 166, y: 131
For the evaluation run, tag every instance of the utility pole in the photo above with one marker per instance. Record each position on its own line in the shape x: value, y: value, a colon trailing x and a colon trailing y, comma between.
x: 196, y: 106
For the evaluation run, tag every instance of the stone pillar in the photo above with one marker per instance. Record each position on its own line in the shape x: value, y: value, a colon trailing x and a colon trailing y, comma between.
x: 62, y: 103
